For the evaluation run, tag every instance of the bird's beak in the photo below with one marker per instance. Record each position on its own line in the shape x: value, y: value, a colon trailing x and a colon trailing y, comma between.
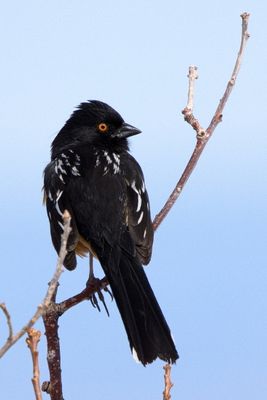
x: 125, y: 131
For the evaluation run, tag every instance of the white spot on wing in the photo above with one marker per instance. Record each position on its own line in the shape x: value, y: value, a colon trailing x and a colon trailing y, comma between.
x: 140, y: 218
x: 58, y: 209
x: 75, y: 171
x: 139, y: 199
x: 143, y: 187
x: 116, y: 168
x: 144, y: 235
x: 139, y: 202
x: 116, y: 158
x: 97, y: 161
x: 59, y: 193
x: 61, y: 225
x: 59, y: 165
x: 50, y: 195
x: 61, y: 178
x: 105, y: 171
x: 108, y: 159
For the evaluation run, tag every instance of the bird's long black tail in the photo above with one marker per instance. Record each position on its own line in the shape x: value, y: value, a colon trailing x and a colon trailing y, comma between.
x: 146, y: 327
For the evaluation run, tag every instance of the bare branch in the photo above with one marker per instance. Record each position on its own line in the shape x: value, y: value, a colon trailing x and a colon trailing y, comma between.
x: 62, y: 254
x: 54, y: 386
x: 192, y: 76
x: 50, y: 318
x: 83, y: 295
x: 167, y: 381
x: 8, y: 321
x: 202, y: 134
x: 51, y: 289
x: 32, y: 341
x: 188, y: 110
x: 217, y: 118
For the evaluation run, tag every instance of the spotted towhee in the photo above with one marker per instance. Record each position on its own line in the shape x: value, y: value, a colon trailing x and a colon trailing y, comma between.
x: 93, y: 176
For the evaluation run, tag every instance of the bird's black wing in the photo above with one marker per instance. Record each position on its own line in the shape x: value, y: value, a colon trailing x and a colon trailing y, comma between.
x: 138, y: 216
x: 56, y: 178
x: 95, y: 199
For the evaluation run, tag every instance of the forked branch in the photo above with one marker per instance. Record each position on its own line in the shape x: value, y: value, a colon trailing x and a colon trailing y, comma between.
x: 203, y: 135
x: 12, y: 339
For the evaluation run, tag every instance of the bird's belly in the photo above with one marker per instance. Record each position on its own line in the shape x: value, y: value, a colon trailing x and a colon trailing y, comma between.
x: 83, y: 247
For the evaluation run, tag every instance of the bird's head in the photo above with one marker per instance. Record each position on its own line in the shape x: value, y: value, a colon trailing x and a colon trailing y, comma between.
x: 95, y: 123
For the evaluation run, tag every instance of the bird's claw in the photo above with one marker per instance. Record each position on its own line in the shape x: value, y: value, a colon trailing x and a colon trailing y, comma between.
x: 106, y: 289
x: 95, y: 283
x: 94, y: 302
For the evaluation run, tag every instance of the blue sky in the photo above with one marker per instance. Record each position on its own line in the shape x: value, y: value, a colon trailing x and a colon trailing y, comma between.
x: 209, y: 263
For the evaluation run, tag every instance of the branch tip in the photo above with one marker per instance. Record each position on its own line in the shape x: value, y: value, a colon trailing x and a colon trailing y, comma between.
x: 192, y: 72
x: 245, y: 16
x: 203, y: 135
x: 32, y: 341
x: 3, y: 307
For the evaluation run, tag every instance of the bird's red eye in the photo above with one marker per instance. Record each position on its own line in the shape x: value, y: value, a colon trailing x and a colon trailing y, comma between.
x: 102, y: 127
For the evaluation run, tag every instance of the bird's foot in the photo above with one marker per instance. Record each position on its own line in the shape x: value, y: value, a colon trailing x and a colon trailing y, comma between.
x: 96, y: 285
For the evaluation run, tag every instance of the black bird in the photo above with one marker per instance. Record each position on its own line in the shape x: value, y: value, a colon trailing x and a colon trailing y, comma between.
x: 93, y: 176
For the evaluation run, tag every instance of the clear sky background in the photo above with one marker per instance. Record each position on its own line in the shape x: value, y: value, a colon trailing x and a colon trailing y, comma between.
x: 209, y: 263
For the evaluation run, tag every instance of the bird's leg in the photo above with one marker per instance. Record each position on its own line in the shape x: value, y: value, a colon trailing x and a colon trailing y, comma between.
x: 95, y: 282
x: 92, y: 281
x: 91, y: 266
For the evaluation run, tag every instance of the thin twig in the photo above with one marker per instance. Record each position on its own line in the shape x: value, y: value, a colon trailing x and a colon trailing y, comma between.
x: 202, y: 135
x: 217, y: 118
x: 167, y: 382
x: 192, y: 76
x: 49, y: 294
x: 32, y: 341
x: 8, y: 321
x: 188, y: 110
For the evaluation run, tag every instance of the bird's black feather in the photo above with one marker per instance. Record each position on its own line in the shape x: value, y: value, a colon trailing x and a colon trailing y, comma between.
x: 92, y: 175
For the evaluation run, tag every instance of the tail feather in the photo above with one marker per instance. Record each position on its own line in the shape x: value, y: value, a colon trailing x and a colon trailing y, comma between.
x: 147, y: 330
